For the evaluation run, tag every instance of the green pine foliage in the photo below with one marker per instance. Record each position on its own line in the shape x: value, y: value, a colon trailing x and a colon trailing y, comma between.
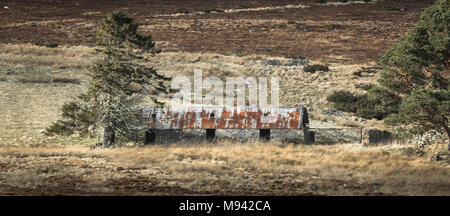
x: 363, y: 105
x: 416, y: 73
x: 413, y: 87
x: 118, y: 81
x: 316, y: 67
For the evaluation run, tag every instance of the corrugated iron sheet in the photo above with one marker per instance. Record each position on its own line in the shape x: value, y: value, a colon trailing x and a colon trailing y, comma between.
x: 224, y: 118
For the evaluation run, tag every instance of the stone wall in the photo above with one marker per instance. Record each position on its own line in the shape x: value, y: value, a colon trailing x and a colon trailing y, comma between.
x: 338, y: 135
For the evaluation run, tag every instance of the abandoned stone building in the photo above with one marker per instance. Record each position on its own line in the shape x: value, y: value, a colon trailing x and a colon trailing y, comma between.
x: 167, y: 125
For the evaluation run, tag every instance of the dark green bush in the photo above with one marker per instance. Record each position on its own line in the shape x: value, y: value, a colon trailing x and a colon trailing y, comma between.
x: 208, y: 10
x: 321, y: 1
x: 82, y: 120
x: 361, y: 105
x: 357, y: 73
x: 345, y: 100
x: 51, y: 45
x: 372, y: 110
x: 316, y: 67
x: 366, y: 70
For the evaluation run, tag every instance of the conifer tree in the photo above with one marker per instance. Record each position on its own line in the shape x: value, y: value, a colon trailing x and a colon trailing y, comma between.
x: 415, y: 77
x: 118, y: 81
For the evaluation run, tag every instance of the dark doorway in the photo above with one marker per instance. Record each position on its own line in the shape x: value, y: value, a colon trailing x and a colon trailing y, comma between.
x: 150, y: 137
x: 309, y: 137
x: 264, y: 134
x: 210, y: 134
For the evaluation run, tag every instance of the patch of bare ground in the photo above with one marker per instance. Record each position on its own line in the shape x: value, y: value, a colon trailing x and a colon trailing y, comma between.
x: 221, y: 169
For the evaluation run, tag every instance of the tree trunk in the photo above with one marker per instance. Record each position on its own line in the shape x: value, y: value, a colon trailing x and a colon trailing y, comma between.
x: 109, y: 137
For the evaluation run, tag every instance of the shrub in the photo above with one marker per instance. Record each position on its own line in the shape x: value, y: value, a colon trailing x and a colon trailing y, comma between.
x: 316, y: 67
x: 367, y: 1
x: 361, y: 105
x: 208, y: 10
x: 343, y: 1
x: 181, y: 10
x: 367, y: 70
x: 365, y: 86
x: 357, y: 73
x: 321, y: 1
x: 372, y: 110
x: 51, y: 45
x: 345, y: 100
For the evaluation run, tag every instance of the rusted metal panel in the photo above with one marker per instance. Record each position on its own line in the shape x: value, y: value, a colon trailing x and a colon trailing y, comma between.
x: 224, y: 118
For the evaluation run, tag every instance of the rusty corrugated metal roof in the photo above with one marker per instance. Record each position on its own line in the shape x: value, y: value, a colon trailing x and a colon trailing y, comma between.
x: 224, y: 117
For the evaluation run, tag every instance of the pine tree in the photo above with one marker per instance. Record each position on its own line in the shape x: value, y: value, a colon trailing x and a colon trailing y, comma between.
x: 414, y: 81
x: 118, y: 81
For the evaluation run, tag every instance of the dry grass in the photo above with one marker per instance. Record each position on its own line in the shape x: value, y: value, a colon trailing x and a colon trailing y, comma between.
x: 59, y: 57
x: 348, y: 123
x: 45, y: 80
x: 226, y: 168
x: 28, y: 108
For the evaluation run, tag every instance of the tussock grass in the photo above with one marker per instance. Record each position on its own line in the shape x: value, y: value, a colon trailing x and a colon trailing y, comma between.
x: 59, y: 57
x: 227, y: 168
x: 347, y: 123
x: 28, y: 108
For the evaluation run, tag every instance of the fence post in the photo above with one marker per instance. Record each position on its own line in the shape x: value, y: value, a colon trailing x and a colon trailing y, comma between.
x: 361, y: 131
